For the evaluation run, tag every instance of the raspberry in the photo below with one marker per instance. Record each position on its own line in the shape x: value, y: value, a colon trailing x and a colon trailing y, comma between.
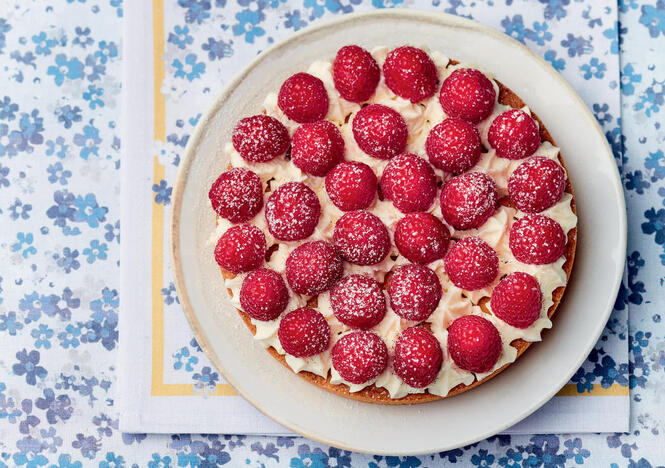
x: 537, y: 240
x: 468, y: 94
x: 471, y: 263
x: 317, y: 147
x: 241, y: 248
x: 418, y: 357
x: 360, y: 356
x: 410, y: 73
x: 237, y: 195
x: 355, y: 73
x: 474, y: 343
x: 468, y: 200
x: 536, y: 184
x: 260, y: 138
x: 453, y: 145
x: 414, y: 291
x: 263, y: 295
x: 409, y: 182
x: 514, y: 135
x: 292, y: 212
x: 304, y: 332
x: 421, y: 237
x: 351, y: 186
x: 313, y: 267
x: 380, y: 131
x: 517, y: 300
x: 361, y: 238
x: 303, y: 98
x: 358, y: 301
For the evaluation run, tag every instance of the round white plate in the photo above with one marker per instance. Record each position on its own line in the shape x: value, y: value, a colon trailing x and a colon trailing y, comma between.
x: 453, y: 422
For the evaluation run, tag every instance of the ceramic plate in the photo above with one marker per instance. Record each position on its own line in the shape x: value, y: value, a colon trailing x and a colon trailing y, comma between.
x: 453, y: 422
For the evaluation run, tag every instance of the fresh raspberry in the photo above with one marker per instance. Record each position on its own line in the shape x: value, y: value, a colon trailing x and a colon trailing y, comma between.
x: 317, y: 147
x: 418, y: 357
x: 260, y: 138
x: 361, y: 238
x: 517, y: 300
x: 313, y: 267
x: 409, y: 182
x: 536, y: 184
x: 453, y: 145
x: 415, y: 291
x: 304, y: 332
x: 292, y: 212
x: 537, y: 240
x: 471, y: 263
x: 410, y: 73
x: 355, y: 73
x: 360, y: 356
x: 514, y: 135
x: 380, y: 131
x: 421, y: 237
x: 237, y: 195
x: 468, y: 200
x: 263, y: 295
x: 358, y: 301
x: 474, y: 343
x: 468, y: 94
x: 241, y: 248
x: 303, y: 98
x: 351, y: 185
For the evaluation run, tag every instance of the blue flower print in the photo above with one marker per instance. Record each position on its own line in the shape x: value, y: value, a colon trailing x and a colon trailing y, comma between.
x: 19, y: 210
x: 106, y: 51
x: 190, y: 69
x: 96, y: 251
x: 247, y: 25
x: 28, y: 365
x: 169, y: 295
x: 610, y: 372
x: 513, y: 459
x: 555, y: 9
x: 655, y: 224
x: 89, y: 211
x: 112, y: 461
x: 4, y: 180
x: 593, y: 69
x: 68, y: 261
x: 63, y: 210
x: 158, y: 461
x: 653, y: 17
x: 29, y: 459
x: 65, y: 461
x: 8, y: 109
x: 639, y: 341
x: 638, y: 371
x: 57, y: 147
x: 112, y: 232
x: 89, y: 446
x: 655, y: 163
x: 31, y: 126
x: 629, y: 79
x: 294, y: 20
x: 514, y: 27
x: 584, y: 380
x: 7, y: 142
x: 180, y: 37
x: 197, y: 10
x: 577, y: 45
x: 162, y: 192
x: 65, y: 68
x: 206, y: 378
x: 92, y: 70
x: 652, y: 98
x: 539, y: 34
x: 574, y: 450
x: 82, y: 38
x: 70, y: 336
x: 43, y: 44
x: 616, y: 34
x: 635, y: 181
x: 217, y: 49
x: 309, y: 458
x: 57, y: 173
x: 184, y: 361
x: 88, y: 141
x: 31, y: 304
x: 68, y: 115
x: 59, y: 407
x: 42, y: 336
x: 9, y: 323
x: 626, y: 5
x: 389, y: 3
x: 24, y: 245
x: 482, y: 458
x: 600, y: 111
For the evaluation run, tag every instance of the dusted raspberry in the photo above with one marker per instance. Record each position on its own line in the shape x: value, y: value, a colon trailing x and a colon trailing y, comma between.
x: 355, y: 73
x: 415, y: 292
x: 537, y: 240
x: 358, y: 301
x: 474, y: 343
x: 260, y: 138
x: 517, y: 300
x: 468, y: 200
x: 237, y: 195
x: 514, y: 135
x: 421, y: 237
x: 304, y: 332
x: 317, y: 147
x: 360, y: 356
x: 409, y: 182
x: 303, y: 98
x: 292, y: 212
x: 536, y: 184
x: 241, y: 248
x: 453, y: 145
x: 418, y: 357
x: 410, y: 73
x: 467, y: 94
x: 313, y: 267
x: 263, y: 295
x: 471, y: 263
x: 380, y: 131
x: 361, y: 238
x: 351, y: 186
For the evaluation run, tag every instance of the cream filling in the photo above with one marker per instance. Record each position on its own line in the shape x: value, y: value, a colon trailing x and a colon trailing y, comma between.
x: 420, y: 118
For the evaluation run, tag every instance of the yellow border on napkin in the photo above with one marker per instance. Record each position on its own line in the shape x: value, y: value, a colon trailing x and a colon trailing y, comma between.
x: 158, y: 387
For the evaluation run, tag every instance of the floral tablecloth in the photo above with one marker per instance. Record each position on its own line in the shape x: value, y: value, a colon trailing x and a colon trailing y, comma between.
x: 60, y: 69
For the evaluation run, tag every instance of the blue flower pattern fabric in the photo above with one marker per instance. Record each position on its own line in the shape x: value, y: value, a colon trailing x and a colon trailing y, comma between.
x: 59, y: 194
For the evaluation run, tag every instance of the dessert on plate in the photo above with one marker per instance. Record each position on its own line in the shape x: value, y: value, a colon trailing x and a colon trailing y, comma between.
x: 394, y: 226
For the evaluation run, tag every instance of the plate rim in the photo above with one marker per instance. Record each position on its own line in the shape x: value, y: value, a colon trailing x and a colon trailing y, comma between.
x: 443, y: 19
